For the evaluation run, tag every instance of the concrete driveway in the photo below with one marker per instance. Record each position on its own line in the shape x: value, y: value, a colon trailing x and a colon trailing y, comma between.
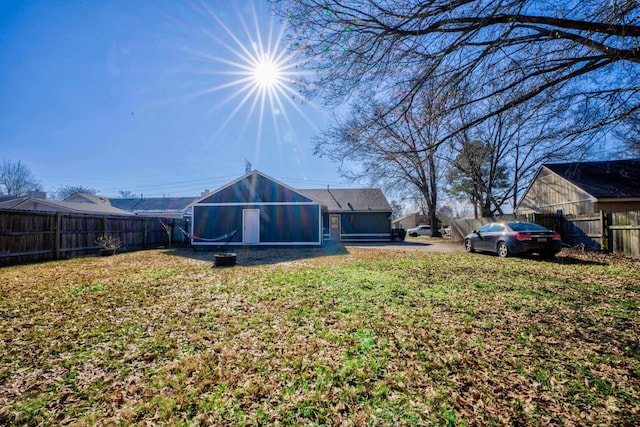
x: 415, y: 244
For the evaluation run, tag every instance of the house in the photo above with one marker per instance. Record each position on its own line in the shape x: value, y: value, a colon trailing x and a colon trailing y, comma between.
x: 264, y: 211
x: 353, y: 214
x: 162, y: 207
x: 78, y: 203
x: 412, y: 220
x: 583, y: 188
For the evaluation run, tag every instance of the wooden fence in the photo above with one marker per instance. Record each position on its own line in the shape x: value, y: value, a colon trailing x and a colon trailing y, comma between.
x: 27, y: 236
x: 618, y: 233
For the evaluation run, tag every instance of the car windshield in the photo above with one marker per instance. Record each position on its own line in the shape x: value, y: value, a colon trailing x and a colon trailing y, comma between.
x: 525, y: 226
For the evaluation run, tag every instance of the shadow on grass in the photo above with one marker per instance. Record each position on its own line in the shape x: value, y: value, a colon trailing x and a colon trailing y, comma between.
x: 262, y: 255
x: 563, y: 259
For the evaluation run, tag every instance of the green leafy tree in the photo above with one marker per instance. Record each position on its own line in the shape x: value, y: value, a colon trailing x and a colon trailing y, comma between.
x: 475, y: 175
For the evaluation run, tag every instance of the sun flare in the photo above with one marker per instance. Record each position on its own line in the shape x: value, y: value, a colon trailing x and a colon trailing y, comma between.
x: 267, y: 74
x: 257, y: 70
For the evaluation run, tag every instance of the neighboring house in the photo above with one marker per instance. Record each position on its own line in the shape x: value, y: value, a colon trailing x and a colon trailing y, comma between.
x: 4, y: 199
x: 264, y: 211
x: 411, y: 220
x: 78, y: 203
x: 163, y: 207
x: 584, y: 188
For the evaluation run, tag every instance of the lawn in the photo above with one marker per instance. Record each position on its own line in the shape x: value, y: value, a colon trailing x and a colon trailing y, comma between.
x: 357, y: 336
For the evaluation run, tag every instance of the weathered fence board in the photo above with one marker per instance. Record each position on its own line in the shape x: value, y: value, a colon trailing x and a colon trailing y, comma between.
x: 624, y: 233
x: 39, y: 236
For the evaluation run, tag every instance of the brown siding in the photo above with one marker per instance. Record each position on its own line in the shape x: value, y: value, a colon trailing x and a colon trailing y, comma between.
x: 550, y: 193
x: 611, y: 207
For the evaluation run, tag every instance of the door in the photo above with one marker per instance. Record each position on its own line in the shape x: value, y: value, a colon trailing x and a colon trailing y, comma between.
x: 482, y: 234
x: 334, y: 227
x: 251, y: 226
x: 497, y: 230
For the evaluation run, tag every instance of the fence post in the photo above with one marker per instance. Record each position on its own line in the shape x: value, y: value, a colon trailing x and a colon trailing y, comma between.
x: 57, y: 236
x: 144, y: 238
x: 604, y: 231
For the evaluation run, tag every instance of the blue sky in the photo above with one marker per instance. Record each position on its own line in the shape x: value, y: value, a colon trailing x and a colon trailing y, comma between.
x: 143, y: 96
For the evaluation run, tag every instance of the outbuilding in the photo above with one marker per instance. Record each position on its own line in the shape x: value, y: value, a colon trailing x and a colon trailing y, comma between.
x: 584, y: 188
x: 263, y: 211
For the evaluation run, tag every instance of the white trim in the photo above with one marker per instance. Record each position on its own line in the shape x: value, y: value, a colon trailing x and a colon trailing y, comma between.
x: 367, y: 240
x: 618, y: 200
x: 256, y: 172
x: 367, y: 234
x: 320, y: 231
x: 260, y: 204
x: 261, y: 244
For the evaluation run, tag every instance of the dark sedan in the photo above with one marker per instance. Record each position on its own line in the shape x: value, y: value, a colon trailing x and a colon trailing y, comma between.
x: 514, y: 238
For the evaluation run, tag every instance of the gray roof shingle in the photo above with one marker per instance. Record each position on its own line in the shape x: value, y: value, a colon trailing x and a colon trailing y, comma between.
x: 350, y: 200
x: 153, y: 204
x: 615, y: 179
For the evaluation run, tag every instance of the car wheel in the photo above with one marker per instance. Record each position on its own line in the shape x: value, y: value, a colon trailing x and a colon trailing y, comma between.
x: 503, y: 250
x: 468, y: 246
x: 414, y: 234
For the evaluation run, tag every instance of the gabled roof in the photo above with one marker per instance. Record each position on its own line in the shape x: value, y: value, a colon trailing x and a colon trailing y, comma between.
x: 7, y: 198
x: 153, y: 204
x: 250, y: 187
x: 28, y: 203
x: 615, y: 179
x: 8, y: 202
x: 415, y: 215
x: 87, y: 198
x: 350, y: 200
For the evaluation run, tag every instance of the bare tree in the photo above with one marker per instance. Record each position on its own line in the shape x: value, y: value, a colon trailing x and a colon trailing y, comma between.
x: 396, y: 150
x: 510, y: 146
x: 584, y: 53
x: 629, y: 134
x: 127, y: 194
x: 16, y: 179
x: 67, y: 191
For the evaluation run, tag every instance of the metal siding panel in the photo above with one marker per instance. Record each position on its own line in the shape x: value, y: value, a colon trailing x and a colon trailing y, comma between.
x: 210, y: 222
x: 366, y: 223
x: 255, y: 188
x: 289, y: 223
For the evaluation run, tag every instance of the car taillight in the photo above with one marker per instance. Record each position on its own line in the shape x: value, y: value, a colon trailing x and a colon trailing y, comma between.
x: 523, y: 236
x: 556, y: 236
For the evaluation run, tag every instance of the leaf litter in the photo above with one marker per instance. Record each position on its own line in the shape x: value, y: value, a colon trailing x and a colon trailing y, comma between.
x: 352, y: 338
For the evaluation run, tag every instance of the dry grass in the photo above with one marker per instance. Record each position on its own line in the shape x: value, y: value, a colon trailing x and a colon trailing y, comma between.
x: 306, y: 336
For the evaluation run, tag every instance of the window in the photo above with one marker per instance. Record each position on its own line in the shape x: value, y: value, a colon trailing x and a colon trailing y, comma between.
x: 497, y: 228
x: 485, y: 228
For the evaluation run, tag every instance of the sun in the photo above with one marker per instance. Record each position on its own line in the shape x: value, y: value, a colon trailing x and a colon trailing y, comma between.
x: 267, y: 75
x: 259, y: 71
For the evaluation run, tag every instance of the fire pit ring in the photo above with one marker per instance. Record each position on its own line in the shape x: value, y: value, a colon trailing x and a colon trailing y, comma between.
x: 225, y: 259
